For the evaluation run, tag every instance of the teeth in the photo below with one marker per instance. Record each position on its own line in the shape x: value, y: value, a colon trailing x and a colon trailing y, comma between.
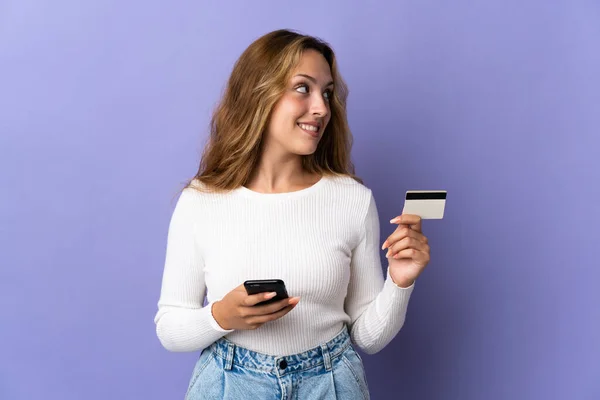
x: 308, y: 127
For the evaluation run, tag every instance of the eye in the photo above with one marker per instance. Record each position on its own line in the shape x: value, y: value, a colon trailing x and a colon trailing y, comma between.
x: 302, y: 86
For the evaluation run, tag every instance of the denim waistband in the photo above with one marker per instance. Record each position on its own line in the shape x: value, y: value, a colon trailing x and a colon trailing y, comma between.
x: 320, y: 355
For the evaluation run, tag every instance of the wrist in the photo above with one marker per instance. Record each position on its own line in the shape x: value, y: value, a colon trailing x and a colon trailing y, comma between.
x: 400, y: 281
x: 216, y: 314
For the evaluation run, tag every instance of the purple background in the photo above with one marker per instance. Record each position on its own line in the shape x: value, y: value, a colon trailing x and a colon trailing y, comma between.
x: 103, y: 111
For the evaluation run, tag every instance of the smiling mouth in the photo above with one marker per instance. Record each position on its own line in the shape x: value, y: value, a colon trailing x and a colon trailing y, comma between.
x: 310, y: 129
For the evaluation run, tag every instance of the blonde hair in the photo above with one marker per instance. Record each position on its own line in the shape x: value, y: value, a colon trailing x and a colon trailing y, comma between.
x: 257, y: 82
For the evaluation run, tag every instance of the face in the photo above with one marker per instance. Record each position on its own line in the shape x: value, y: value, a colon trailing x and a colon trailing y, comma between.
x: 300, y: 116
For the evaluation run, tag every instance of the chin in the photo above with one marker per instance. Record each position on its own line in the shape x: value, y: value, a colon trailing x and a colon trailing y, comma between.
x: 305, y: 151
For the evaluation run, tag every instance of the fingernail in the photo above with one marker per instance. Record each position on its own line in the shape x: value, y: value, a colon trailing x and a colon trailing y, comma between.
x: 384, y: 245
x: 272, y: 294
x: 387, y: 254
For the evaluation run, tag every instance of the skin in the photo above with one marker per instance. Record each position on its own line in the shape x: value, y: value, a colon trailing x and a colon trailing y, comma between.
x: 305, y: 100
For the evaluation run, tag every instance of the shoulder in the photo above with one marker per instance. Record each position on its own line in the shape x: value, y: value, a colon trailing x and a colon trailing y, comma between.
x: 347, y: 186
x: 356, y: 201
x: 201, y: 191
x: 198, y: 196
x: 352, y: 196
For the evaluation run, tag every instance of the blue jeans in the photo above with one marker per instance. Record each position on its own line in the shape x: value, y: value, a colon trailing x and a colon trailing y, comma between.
x: 333, y: 370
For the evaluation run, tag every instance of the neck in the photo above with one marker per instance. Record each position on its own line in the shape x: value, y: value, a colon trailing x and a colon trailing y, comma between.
x: 282, y: 175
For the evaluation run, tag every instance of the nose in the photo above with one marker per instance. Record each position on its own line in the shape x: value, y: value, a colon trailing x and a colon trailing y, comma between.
x: 319, y: 105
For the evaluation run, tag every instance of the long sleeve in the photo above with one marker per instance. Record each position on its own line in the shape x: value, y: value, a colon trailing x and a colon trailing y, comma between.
x: 182, y: 323
x: 377, y: 307
x: 322, y: 241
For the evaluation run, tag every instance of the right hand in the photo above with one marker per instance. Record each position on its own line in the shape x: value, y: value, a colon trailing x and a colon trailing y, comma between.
x: 237, y: 309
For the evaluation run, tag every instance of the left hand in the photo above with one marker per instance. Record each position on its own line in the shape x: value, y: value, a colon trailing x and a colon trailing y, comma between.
x: 408, y: 253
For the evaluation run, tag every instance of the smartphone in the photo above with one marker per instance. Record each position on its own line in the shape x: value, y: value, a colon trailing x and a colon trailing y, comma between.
x: 267, y: 285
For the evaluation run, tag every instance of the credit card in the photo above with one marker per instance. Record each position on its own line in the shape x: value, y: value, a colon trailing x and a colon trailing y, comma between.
x: 427, y: 204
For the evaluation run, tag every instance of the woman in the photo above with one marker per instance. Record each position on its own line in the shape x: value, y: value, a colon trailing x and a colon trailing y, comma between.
x: 275, y: 197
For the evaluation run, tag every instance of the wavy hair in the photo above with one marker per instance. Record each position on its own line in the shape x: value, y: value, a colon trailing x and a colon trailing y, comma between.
x: 257, y: 82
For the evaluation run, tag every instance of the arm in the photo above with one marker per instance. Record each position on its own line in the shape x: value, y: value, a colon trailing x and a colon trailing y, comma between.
x: 182, y: 323
x: 377, y: 307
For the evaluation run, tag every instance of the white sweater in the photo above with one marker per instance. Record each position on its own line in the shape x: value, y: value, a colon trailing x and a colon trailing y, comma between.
x: 322, y: 241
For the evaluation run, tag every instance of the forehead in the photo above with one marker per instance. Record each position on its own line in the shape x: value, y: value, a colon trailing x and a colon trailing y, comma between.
x: 314, y: 64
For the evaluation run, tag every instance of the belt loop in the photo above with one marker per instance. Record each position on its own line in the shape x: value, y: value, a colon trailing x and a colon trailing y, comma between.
x: 229, y: 359
x: 326, y: 357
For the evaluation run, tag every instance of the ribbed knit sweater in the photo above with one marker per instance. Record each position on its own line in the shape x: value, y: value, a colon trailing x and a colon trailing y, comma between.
x: 322, y: 241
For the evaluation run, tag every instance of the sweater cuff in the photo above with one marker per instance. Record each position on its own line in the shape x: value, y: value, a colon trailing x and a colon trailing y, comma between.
x: 394, y: 290
x: 396, y: 297
x: 389, y: 278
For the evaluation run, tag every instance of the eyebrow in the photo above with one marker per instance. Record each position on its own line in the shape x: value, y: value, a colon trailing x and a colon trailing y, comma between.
x: 313, y: 79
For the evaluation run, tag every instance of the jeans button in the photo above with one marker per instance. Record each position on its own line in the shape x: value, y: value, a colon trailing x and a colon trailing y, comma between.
x: 283, y: 364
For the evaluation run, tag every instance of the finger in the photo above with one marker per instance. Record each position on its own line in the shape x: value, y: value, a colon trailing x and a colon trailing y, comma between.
x: 411, y: 220
x: 271, y: 308
x: 412, y: 254
x: 401, y: 233
x: 404, y: 244
x: 253, y: 299
x: 261, y: 319
x: 407, y: 243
